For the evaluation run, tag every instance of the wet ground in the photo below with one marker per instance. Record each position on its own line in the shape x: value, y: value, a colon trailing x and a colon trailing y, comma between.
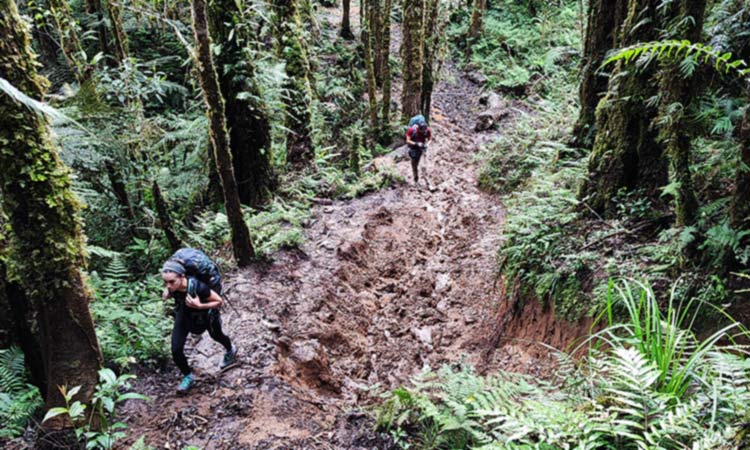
x: 384, y: 285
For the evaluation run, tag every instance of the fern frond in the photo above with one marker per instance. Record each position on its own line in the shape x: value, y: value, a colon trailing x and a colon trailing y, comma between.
x: 682, y: 50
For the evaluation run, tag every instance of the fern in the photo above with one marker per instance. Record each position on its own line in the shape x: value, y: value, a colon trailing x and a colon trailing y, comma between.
x: 18, y: 399
x: 683, y: 50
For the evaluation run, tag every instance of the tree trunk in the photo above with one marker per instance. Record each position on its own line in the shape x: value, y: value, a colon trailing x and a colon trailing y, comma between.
x: 121, y: 39
x: 46, y: 250
x: 243, y: 248
x: 166, y: 221
x: 376, y: 38
x: 739, y: 211
x: 118, y: 187
x: 292, y: 48
x: 475, y: 26
x: 677, y: 95
x: 247, y: 117
x: 367, y: 40
x: 431, y: 43
x: 70, y: 44
x: 626, y: 154
x: 604, y: 19
x: 15, y: 308
x: 412, y: 57
x: 94, y: 8
x: 43, y: 33
x: 385, y: 121
x: 346, y: 28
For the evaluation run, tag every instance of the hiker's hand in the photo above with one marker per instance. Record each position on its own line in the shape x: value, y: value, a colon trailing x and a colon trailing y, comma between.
x: 165, y: 294
x: 193, y: 302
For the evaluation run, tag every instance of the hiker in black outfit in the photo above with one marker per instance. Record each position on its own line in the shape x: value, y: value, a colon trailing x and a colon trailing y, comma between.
x: 196, y: 310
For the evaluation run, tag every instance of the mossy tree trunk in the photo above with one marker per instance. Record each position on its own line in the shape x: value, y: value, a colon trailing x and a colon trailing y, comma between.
x: 114, y: 11
x: 43, y: 32
x: 626, y: 155
x: 346, y: 27
x: 375, y: 8
x: 94, y: 9
x: 475, y: 25
x: 385, y: 107
x: 46, y: 241
x: 292, y: 48
x: 164, y: 218
x: 247, y: 117
x: 739, y: 211
x: 70, y: 44
x: 604, y: 19
x: 16, y: 312
x: 412, y: 56
x: 368, y: 38
x: 677, y: 95
x: 431, y: 43
x: 242, y: 246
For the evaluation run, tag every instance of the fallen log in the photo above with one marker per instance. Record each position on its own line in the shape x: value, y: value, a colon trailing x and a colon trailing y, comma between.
x: 497, y: 109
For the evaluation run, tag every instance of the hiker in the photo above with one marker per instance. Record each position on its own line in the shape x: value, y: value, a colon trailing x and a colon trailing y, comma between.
x: 418, y: 137
x: 193, y: 280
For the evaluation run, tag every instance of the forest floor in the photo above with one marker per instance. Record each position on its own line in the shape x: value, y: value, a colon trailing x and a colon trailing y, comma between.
x: 384, y: 285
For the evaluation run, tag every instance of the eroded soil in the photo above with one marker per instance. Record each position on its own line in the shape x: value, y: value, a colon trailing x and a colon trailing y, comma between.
x: 385, y: 285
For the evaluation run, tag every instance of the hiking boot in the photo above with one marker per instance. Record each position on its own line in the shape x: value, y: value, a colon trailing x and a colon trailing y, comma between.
x: 229, y: 358
x: 187, y: 383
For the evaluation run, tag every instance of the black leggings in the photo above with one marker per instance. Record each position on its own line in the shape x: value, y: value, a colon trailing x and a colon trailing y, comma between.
x: 415, y: 154
x: 184, y: 323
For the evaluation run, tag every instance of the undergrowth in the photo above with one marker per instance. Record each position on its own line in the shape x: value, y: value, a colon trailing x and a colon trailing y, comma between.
x: 646, y: 383
x: 18, y: 399
x: 517, y: 52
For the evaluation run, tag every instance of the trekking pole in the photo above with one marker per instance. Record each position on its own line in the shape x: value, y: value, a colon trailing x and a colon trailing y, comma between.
x: 226, y: 299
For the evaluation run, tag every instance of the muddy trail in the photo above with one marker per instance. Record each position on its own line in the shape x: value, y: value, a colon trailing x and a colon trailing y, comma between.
x: 384, y: 286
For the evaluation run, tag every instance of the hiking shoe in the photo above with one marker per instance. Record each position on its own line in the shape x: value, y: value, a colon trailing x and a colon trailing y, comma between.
x: 187, y: 383
x: 229, y: 358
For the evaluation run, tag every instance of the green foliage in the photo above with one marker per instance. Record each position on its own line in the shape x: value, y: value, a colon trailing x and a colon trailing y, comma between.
x: 98, y: 429
x: 130, y: 317
x: 687, y: 53
x: 518, y: 52
x: 18, y: 399
x: 644, y: 383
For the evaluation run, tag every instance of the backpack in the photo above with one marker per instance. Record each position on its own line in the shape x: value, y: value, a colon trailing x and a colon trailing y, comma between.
x: 198, y: 265
x: 416, y: 120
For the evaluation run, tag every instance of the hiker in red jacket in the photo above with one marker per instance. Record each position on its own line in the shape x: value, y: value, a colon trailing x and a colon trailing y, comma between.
x: 418, y: 137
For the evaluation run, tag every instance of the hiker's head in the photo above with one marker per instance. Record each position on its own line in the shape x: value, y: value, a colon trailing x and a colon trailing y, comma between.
x: 173, y: 274
x: 422, y: 127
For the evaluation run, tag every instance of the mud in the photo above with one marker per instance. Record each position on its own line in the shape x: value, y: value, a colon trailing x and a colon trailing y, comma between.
x: 384, y: 286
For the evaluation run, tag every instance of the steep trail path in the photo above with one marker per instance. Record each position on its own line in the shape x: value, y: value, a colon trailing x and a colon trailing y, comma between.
x: 384, y: 285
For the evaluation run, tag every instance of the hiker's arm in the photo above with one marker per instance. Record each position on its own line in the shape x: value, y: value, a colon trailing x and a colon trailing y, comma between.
x: 214, y: 301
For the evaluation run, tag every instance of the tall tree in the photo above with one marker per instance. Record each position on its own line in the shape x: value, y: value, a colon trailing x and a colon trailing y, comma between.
x: 247, y: 117
x: 604, y: 19
x: 431, y: 43
x: 114, y: 10
x: 70, y: 44
x: 475, y: 25
x: 368, y: 39
x: 94, y: 9
x: 412, y: 56
x: 678, y: 92
x: 385, y: 75
x: 242, y: 246
x: 739, y: 211
x: 46, y: 241
x: 346, y: 27
x: 626, y: 154
x: 292, y: 48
